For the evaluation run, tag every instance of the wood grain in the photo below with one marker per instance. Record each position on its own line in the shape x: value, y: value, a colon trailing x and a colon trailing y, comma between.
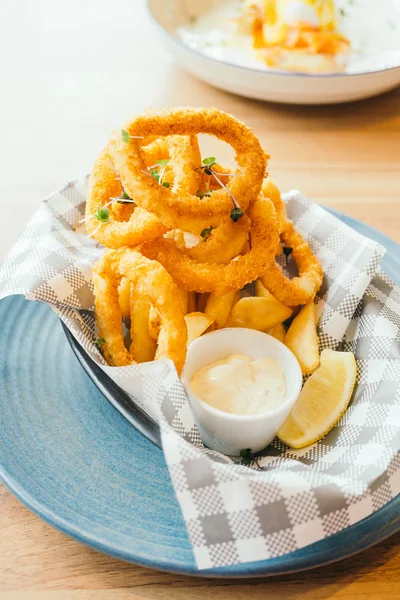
x: 73, y: 71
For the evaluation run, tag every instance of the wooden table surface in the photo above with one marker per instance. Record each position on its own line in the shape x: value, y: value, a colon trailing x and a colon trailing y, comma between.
x: 71, y: 72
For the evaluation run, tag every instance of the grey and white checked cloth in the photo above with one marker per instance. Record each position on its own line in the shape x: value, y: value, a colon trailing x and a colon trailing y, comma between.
x: 236, y: 514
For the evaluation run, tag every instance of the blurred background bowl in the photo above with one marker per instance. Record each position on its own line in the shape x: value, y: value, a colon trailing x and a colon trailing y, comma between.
x: 276, y: 86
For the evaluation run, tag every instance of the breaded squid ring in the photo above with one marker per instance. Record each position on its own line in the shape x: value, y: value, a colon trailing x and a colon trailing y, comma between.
x: 152, y: 283
x: 223, y: 243
x: 221, y: 279
x: 141, y: 226
x: 303, y: 288
x: 183, y: 210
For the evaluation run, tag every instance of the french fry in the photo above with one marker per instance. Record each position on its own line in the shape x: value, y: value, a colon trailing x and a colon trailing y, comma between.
x: 124, y: 292
x: 219, y: 307
x: 278, y: 332
x: 197, y: 323
x: 184, y: 298
x: 258, y: 313
x: 154, y: 323
x: 143, y: 347
x: 302, y: 339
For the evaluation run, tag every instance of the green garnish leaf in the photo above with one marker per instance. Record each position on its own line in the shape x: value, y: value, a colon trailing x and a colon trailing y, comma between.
x: 99, y: 341
x: 342, y: 12
x: 126, y: 196
x: 162, y: 162
x: 103, y: 214
x: 205, y: 194
x: 210, y: 161
x: 287, y: 251
x: 166, y: 184
x: 193, y: 19
x: 154, y: 173
x: 247, y: 457
x: 236, y: 214
x: 206, y: 232
x: 125, y: 136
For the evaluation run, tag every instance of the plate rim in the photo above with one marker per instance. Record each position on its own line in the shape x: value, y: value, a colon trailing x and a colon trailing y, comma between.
x: 389, y: 515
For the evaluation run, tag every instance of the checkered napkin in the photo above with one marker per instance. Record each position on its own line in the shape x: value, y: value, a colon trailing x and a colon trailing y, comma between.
x: 234, y: 513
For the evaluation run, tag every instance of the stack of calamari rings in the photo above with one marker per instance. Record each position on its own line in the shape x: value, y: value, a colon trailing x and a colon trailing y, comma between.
x: 177, y: 227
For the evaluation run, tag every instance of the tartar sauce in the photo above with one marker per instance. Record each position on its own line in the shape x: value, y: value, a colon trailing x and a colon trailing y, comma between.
x: 242, y: 386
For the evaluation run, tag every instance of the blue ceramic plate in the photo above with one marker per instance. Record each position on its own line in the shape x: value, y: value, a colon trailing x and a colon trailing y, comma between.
x: 68, y: 455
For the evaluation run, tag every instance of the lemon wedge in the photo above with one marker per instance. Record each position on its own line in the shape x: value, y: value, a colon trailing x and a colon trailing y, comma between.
x: 322, y: 401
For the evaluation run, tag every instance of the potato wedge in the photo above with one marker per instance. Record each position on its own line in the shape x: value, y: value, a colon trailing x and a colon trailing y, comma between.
x: 143, y: 347
x: 197, y: 323
x: 124, y: 295
x: 302, y: 339
x: 258, y: 313
x: 278, y: 332
x: 219, y: 307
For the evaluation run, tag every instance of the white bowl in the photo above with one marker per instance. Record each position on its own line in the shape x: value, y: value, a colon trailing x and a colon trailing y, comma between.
x: 276, y: 86
x: 224, y: 432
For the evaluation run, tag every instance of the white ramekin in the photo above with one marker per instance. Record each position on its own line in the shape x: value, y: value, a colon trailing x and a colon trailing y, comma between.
x: 224, y: 432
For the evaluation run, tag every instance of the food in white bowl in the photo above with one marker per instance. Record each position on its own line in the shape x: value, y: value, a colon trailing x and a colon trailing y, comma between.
x: 309, y: 36
x: 257, y: 424
x: 196, y: 33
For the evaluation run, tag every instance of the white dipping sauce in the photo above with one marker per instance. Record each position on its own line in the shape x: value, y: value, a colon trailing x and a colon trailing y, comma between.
x: 241, y: 386
x: 372, y: 27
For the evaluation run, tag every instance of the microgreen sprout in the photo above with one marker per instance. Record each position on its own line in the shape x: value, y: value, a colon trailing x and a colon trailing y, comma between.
x: 206, y: 232
x: 205, y: 194
x: 126, y: 136
x: 99, y: 341
x: 250, y: 458
x: 207, y: 167
x: 342, y: 12
x: 124, y: 198
x: 158, y: 176
x: 103, y: 215
x: 236, y: 214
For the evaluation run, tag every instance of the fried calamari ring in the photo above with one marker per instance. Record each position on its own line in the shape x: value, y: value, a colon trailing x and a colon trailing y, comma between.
x: 141, y: 226
x: 108, y: 316
x: 221, y: 279
x: 223, y: 243
x: 303, y: 288
x: 271, y: 191
x: 183, y: 210
x: 149, y: 281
